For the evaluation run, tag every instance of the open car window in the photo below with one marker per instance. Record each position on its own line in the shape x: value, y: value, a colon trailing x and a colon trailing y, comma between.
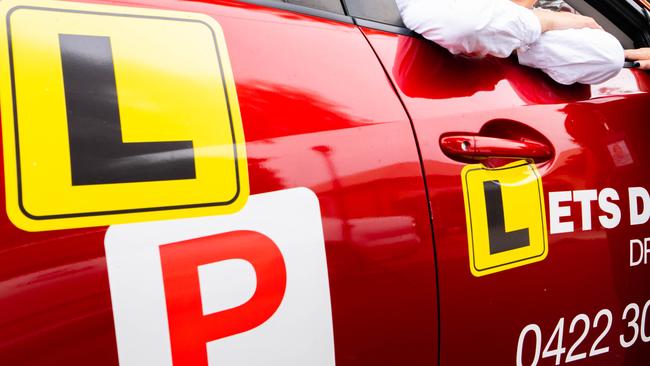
x: 584, y: 8
x: 624, y: 19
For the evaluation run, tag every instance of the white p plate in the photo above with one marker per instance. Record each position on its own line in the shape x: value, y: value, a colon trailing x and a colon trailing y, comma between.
x: 299, y: 332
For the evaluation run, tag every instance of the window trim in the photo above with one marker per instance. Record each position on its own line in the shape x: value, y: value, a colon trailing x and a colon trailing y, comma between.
x: 384, y: 27
x: 303, y: 10
x: 334, y: 16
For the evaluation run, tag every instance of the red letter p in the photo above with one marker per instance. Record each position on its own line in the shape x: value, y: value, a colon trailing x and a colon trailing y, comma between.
x: 189, y: 329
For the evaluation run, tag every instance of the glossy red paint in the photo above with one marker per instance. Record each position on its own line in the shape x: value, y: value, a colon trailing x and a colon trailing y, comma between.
x: 318, y: 111
x: 585, y: 271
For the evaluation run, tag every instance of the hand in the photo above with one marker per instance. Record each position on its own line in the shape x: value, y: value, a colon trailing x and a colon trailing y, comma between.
x: 552, y: 20
x: 642, y: 55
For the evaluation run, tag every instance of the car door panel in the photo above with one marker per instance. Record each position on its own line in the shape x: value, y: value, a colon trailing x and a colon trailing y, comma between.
x: 597, y: 137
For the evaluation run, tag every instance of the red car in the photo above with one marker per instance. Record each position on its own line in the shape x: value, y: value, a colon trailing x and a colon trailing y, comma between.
x: 306, y: 182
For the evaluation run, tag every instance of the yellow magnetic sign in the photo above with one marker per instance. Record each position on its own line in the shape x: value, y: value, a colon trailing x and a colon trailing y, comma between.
x: 116, y: 114
x: 506, y: 219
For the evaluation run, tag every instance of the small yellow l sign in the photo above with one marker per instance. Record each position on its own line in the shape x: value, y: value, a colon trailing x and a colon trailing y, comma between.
x: 506, y: 219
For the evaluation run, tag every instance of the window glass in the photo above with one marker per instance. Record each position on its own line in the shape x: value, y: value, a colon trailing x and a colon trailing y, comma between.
x: 333, y: 6
x: 383, y: 11
x: 582, y: 7
x: 635, y: 5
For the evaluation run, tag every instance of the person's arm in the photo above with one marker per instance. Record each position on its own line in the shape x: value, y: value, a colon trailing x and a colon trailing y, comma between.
x: 641, y: 55
x: 483, y: 27
x: 479, y: 28
x: 586, y: 56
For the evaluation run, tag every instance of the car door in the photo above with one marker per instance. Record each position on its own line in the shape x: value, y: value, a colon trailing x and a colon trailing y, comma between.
x: 321, y: 123
x: 545, y: 266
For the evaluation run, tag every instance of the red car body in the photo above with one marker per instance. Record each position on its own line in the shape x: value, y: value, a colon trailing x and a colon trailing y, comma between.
x: 357, y: 115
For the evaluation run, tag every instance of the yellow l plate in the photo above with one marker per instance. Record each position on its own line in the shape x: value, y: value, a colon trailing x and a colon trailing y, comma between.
x: 116, y: 114
x: 506, y: 218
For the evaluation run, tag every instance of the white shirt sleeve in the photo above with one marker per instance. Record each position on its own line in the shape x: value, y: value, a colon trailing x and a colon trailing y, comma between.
x: 586, y: 56
x: 472, y: 27
x: 500, y: 27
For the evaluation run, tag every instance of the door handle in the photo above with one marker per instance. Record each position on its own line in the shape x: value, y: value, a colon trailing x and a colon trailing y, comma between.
x: 476, y: 147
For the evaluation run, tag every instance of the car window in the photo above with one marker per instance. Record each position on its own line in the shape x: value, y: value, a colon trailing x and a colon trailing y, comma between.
x: 382, y: 11
x: 626, y: 30
x: 584, y: 8
x: 334, y: 6
x: 636, y: 6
